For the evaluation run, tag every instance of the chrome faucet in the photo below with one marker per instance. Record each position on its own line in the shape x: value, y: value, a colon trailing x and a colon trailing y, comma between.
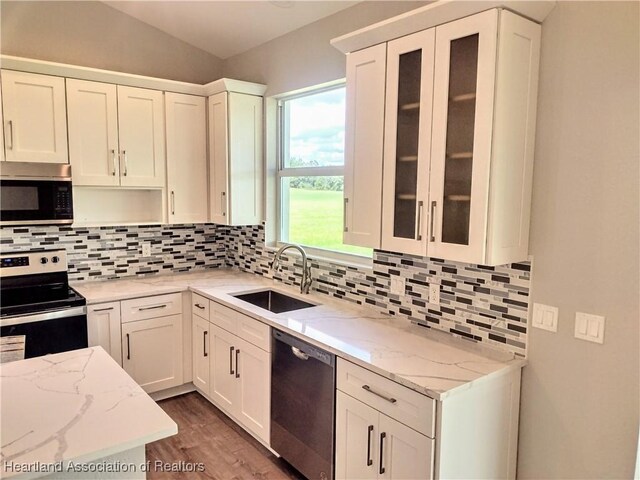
x: 306, y: 281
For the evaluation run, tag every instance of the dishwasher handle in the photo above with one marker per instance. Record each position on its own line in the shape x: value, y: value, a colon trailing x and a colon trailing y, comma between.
x: 303, y: 350
x: 299, y: 353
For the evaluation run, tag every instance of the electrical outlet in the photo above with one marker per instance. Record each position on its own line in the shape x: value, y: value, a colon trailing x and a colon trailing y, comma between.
x: 240, y: 248
x: 434, y: 294
x: 146, y: 249
x: 397, y: 285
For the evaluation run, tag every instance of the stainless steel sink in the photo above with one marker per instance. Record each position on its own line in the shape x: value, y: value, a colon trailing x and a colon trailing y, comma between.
x: 273, y: 301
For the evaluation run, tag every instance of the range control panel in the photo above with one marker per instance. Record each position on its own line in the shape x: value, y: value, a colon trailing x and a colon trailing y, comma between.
x: 32, y: 263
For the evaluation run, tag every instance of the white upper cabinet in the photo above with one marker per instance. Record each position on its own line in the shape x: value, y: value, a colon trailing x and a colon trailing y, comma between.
x: 186, y: 158
x: 459, y: 130
x: 2, y: 157
x: 92, y: 110
x: 142, y: 139
x: 407, y: 145
x: 363, y: 146
x: 235, y: 158
x: 35, y: 120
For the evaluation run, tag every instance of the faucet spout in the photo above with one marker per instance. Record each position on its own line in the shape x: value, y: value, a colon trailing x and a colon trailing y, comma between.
x: 306, y: 281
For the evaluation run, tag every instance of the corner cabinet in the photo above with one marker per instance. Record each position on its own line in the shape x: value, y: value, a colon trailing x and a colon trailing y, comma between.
x: 235, y: 158
x: 459, y: 129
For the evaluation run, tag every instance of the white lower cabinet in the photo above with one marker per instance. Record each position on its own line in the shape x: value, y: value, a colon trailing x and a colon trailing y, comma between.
x: 253, y: 372
x: 103, y: 328
x: 200, y: 337
x: 223, y: 383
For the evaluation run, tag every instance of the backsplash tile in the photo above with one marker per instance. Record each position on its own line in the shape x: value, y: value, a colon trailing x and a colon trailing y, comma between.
x: 477, y: 303
x: 115, y: 252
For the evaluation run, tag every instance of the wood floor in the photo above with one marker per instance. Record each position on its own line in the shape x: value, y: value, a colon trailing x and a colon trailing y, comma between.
x: 207, y: 436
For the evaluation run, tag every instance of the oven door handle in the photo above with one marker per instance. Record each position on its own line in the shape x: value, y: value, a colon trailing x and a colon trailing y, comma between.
x: 43, y: 316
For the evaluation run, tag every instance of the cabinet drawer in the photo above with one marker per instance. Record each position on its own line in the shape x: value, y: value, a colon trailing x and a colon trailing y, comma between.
x: 255, y: 332
x: 200, y: 306
x: 394, y: 400
x: 151, y: 307
x: 224, y: 317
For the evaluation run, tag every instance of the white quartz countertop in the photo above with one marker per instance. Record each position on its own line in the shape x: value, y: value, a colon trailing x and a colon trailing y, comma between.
x: 428, y: 361
x: 76, y: 406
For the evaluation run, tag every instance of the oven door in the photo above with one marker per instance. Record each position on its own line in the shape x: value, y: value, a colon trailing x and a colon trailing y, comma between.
x: 35, y: 201
x: 43, y: 333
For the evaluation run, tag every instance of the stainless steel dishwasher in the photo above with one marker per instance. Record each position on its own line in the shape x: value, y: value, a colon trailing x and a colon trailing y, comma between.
x: 303, y: 405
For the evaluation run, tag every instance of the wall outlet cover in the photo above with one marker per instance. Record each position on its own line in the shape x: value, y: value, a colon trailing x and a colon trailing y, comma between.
x: 545, y: 317
x: 240, y: 248
x: 397, y: 285
x: 434, y: 294
x: 589, y: 327
x: 146, y: 249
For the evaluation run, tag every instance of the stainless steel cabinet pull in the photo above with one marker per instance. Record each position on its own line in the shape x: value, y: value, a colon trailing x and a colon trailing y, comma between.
x: 199, y: 306
x: 204, y: 343
x: 299, y: 353
x: 419, y: 223
x: 106, y: 309
x: 223, y: 203
x: 388, y: 399
x: 173, y: 202
x: 383, y: 435
x: 126, y: 163
x: 431, y: 220
x: 369, y: 459
x: 128, y: 348
x: 231, y: 372
x: 344, y: 218
x: 113, y: 160
x: 10, y: 147
x: 237, y: 364
x: 155, y: 307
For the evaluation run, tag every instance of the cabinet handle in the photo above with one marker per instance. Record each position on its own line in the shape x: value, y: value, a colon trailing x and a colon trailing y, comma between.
x: 431, y: 219
x: 204, y: 343
x: 173, y: 202
x: 113, y: 160
x: 152, y: 308
x: 388, y: 399
x: 10, y: 147
x: 231, y: 372
x: 105, y: 309
x: 237, y: 364
x: 383, y: 435
x: 199, y: 306
x: 223, y: 203
x: 419, y: 222
x: 128, y: 348
x: 126, y: 163
x: 344, y: 218
x: 369, y: 459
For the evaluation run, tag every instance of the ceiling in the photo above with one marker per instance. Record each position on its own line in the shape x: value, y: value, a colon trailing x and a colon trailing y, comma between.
x: 227, y: 28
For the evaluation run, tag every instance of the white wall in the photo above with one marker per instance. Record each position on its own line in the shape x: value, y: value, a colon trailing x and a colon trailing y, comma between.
x: 93, y: 34
x: 580, y: 400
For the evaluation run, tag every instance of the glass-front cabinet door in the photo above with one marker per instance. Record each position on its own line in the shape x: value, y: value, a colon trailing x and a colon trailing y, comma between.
x: 465, y: 55
x: 407, y: 145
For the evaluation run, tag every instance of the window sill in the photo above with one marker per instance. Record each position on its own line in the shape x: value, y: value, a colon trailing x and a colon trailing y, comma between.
x: 334, y: 258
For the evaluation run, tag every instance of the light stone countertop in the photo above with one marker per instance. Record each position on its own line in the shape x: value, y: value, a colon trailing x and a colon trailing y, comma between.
x: 76, y: 406
x: 425, y: 360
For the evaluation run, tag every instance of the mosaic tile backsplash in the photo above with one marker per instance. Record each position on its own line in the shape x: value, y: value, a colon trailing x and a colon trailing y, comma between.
x: 477, y: 303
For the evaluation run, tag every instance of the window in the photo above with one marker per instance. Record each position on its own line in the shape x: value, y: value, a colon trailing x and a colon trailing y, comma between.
x: 311, y: 171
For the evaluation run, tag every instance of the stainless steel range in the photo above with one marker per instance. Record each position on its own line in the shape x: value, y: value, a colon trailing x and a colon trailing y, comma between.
x: 39, y: 312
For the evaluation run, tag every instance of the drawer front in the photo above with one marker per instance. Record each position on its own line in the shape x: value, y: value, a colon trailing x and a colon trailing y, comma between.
x: 255, y: 332
x: 224, y: 317
x: 151, y: 307
x: 394, y: 400
x: 200, y: 306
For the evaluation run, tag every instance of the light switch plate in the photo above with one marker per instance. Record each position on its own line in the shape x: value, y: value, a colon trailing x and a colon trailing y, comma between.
x: 146, y: 249
x: 545, y: 317
x: 589, y: 327
x: 434, y: 294
x: 397, y: 285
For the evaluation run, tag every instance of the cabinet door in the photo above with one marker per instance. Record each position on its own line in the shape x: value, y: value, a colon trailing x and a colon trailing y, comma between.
x: 410, y: 65
x: 363, y: 146
x: 245, y: 159
x: 218, y: 158
x: 223, y: 388
x: 356, y: 439
x: 404, y: 453
x: 103, y: 328
x: 152, y: 352
x: 2, y: 157
x: 254, y: 378
x: 35, y: 117
x: 462, y: 127
x: 92, y: 110
x: 141, y: 134
x: 186, y: 158
x: 200, y: 350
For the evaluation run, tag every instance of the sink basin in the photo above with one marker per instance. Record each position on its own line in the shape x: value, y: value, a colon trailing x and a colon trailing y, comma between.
x: 273, y: 301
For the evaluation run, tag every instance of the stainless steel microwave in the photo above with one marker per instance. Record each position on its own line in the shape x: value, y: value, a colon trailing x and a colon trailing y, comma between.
x: 35, y: 194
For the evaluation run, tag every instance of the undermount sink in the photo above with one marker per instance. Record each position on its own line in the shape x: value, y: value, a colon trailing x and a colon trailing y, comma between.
x: 273, y: 301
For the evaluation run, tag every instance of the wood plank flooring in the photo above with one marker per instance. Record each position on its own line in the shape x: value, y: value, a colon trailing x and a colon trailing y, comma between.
x: 207, y: 435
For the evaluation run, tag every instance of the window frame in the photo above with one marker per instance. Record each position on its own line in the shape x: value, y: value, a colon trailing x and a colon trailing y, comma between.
x: 282, y: 172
